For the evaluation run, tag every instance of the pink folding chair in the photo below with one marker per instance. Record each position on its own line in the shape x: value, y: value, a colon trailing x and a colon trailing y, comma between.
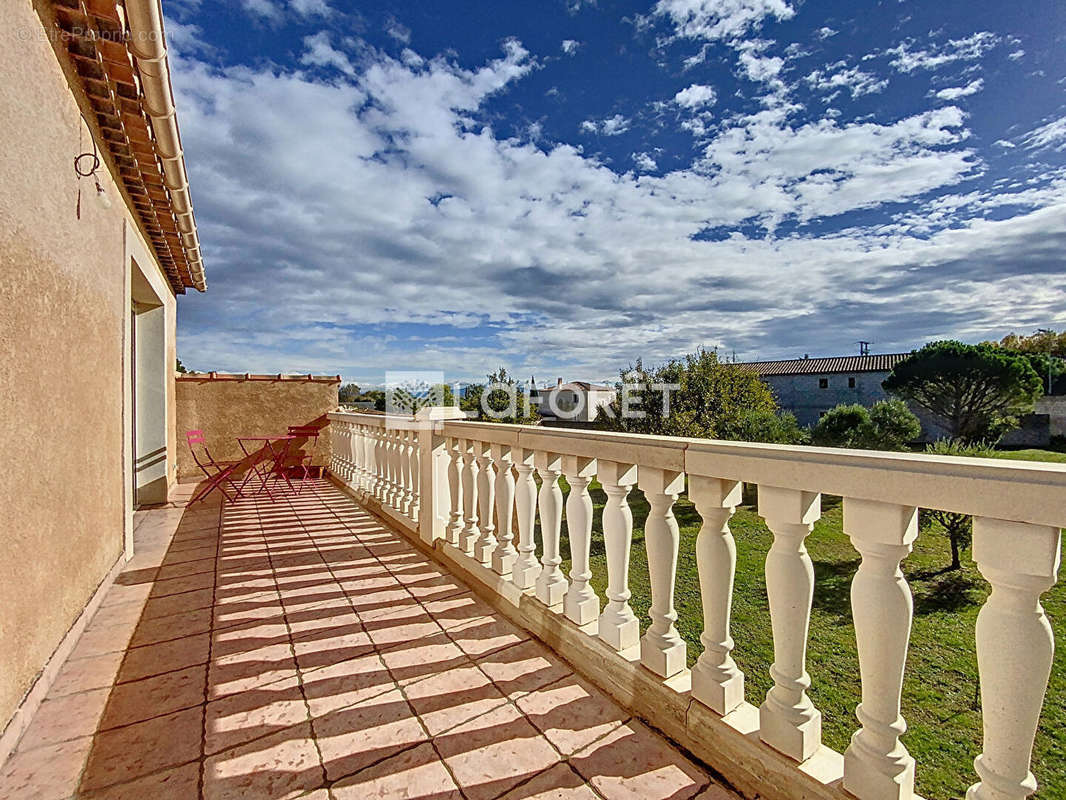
x: 303, y: 466
x: 218, y: 473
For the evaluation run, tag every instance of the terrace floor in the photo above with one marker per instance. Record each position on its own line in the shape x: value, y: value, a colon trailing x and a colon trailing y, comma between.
x: 304, y: 649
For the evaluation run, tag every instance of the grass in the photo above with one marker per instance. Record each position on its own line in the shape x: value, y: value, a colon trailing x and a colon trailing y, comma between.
x: 940, y: 697
x: 1032, y: 454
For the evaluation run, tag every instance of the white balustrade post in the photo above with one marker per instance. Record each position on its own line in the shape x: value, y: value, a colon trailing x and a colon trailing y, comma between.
x: 527, y: 568
x: 395, y: 470
x: 505, y: 555
x: 618, y: 626
x: 470, y: 530
x: 788, y: 721
x: 407, y: 471
x: 580, y: 604
x: 455, y: 492
x: 662, y: 650
x: 378, y: 449
x: 1015, y: 647
x: 876, y: 764
x: 351, y: 455
x: 366, y: 478
x: 551, y: 583
x: 485, y: 545
x: 336, y: 439
x: 716, y: 680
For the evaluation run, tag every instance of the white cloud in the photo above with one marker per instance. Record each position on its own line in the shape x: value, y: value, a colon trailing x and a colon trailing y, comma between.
x: 826, y: 32
x: 266, y: 9
x: 320, y: 53
x: 1051, y: 134
x: 1016, y: 55
x: 397, y: 31
x: 720, y: 19
x: 971, y: 48
x: 611, y: 126
x: 954, y: 93
x: 839, y: 76
x: 645, y: 162
x: 570, y: 46
x: 696, y: 96
x: 311, y: 8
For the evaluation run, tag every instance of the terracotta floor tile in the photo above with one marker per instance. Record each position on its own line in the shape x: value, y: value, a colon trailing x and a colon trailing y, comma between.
x: 523, y: 668
x: 495, y: 752
x: 314, y: 652
x: 82, y: 674
x: 126, y: 754
x: 447, y: 699
x: 558, y: 783
x: 571, y: 713
x: 239, y: 718
x: 280, y: 766
x: 177, y: 604
x: 422, y: 658
x: 634, y: 763
x: 67, y: 717
x: 246, y: 671
x: 456, y: 610
x: 325, y: 619
x: 137, y: 701
x: 173, y: 626
x: 44, y: 773
x: 179, y: 783
x: 344, y: 684
x: 155, y: 659
x: 483, y: 636
x: 357, y: 736
x: 415, y: 773
x: 409, y: 625
x: 185, y: 583
x: 248, y: 637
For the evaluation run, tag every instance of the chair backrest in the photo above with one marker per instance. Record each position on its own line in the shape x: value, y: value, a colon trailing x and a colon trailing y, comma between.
x: 307, y: 432
x: 197, y: 438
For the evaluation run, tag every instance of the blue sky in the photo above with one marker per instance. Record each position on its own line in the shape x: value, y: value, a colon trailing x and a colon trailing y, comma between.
x: 563, y: 186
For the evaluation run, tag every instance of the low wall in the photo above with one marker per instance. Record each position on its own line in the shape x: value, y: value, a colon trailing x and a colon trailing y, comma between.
x: 227, y: 406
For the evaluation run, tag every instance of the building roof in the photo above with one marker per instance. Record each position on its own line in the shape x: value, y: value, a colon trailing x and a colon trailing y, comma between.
x: 203, y: 377
x: 98, y: 40
x: 882, y: 362
x: 583, y: 385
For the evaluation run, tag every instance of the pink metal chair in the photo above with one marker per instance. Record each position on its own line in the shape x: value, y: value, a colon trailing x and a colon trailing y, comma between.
x: 218, y: 473
x: 303, y: 466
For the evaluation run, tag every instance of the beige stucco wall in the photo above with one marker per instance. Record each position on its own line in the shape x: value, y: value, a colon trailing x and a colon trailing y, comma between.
x: 225, y: 409
x: 64, y: 319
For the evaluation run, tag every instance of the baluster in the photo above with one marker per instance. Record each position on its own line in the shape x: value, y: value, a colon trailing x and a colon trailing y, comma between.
x: 486, y: 493
x: 366, y: 469
x: 788, y: 721
x: 619, y: 626
x: 551, y: 583
x: 505, y: 555
x: 470, y: 530
x: 1015, y: 647
x: 876, y: 764
x: 336, y: 464
x: 416, y: 477
x: 407, y: 473
x: 379, y: 464
x: 580, y: 604
x: 371, y: 462
x: 455, y: 493
x: 716, y: 680
x: 526, y: 568
x: 662, y: 650
x: 351, y: 455
x: 395, y: 472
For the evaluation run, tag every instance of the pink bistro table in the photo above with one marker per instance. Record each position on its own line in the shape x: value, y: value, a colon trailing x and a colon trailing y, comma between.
x: 272, y: 448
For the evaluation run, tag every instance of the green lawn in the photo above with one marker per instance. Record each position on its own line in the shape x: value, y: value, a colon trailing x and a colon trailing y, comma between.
x: 1032, y: 455
x: 940, y: 700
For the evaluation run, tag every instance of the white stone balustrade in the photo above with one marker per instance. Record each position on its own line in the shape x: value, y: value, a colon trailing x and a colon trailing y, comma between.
x: 479, y: 482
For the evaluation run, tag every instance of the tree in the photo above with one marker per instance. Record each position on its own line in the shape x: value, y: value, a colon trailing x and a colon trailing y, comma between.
x: 349, y: 393
x: 505, y: 401
x: 977, y: 390
x: 842, y: 426
x: 892, y: 426
x: 958, y: 527
x: 695, y: 396
x: 181, y: 367
x: 1046, y: 351
x: 764, y: 425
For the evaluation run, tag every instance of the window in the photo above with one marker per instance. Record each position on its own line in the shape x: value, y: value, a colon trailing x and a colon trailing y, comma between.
x: 851, y: 383
x: 823, y: 383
